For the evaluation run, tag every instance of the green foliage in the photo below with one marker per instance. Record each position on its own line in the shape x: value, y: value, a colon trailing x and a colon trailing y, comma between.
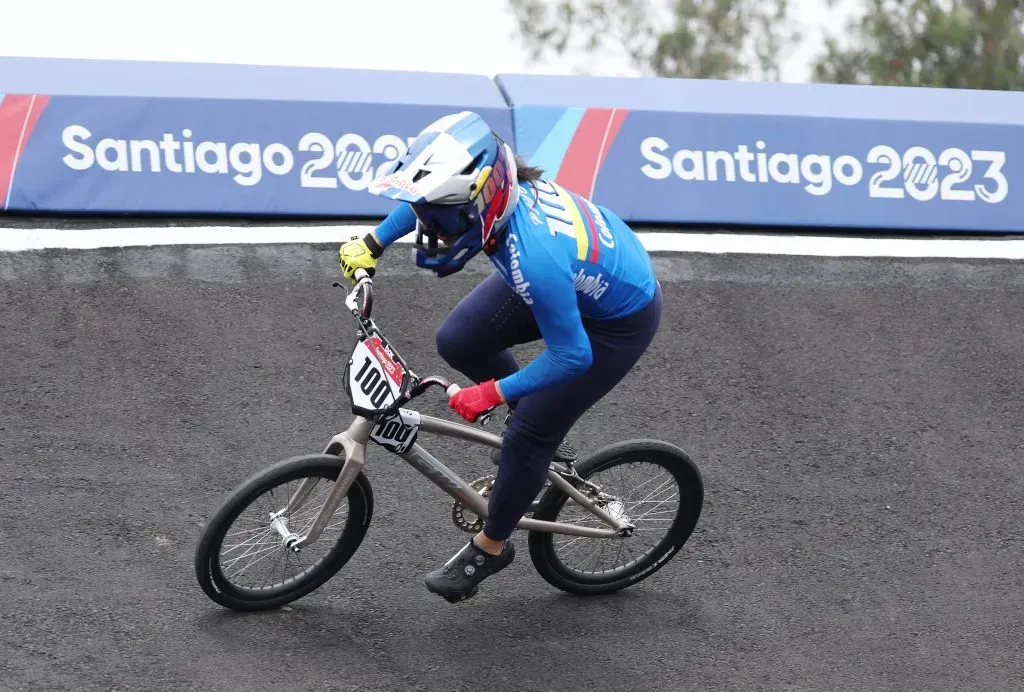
x: 970, y: 44
x: 950, y: 43
x: 684, y: 38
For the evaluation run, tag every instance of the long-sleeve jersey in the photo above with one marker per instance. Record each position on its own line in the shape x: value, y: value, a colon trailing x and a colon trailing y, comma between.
x: 568, y: 259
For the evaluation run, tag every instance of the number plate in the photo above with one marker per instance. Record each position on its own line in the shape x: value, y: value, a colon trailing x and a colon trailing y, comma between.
x: 398, y: 431
x: 375, y: 377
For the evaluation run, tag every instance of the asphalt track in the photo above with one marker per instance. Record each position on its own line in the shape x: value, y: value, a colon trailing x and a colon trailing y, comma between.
x: 857, y: 423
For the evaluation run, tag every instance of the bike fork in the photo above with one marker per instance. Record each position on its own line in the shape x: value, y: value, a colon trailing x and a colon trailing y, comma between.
x: 353, y: 441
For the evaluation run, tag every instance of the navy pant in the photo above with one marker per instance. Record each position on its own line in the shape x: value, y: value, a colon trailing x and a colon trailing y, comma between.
x: 474, y: 339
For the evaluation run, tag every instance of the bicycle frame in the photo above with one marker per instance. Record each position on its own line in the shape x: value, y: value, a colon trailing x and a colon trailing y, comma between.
x: 353, y: 443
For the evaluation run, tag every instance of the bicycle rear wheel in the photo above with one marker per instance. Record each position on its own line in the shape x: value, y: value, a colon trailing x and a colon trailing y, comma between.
x: 224, y: 554
x: 664, y: 509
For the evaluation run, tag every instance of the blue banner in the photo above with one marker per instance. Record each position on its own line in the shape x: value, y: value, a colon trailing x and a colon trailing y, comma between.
x: 706, y: 152
x: 248, y: 152
x: 111, y: 137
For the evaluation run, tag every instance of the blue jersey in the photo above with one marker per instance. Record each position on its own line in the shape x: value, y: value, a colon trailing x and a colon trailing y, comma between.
x: 567, y: 258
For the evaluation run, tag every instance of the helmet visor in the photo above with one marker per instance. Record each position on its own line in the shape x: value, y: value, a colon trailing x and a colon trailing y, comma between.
x: 445, y: 222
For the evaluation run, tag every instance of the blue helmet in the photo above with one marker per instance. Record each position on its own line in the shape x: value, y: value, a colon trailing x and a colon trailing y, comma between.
x: 460, y: 180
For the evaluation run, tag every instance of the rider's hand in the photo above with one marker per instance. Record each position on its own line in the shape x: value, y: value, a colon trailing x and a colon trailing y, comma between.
x: 359, y: 253
x: 472, y: 401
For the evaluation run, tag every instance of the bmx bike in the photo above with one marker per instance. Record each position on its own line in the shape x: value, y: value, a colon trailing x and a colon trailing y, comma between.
x: 315, y: 523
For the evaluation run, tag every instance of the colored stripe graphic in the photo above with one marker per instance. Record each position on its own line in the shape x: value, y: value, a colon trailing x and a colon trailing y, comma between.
x: 578, y: 225
x: 18, y: 117
x: 595, y: 249
x: 534, y: 124
x: 551, y: 152
x: 589, y: 147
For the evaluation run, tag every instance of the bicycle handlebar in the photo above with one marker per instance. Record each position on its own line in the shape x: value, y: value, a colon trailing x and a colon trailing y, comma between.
x: 364, y: 282
x: 449, y: 387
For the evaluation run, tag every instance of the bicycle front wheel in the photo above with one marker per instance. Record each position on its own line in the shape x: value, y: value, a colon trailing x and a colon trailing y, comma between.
x: 242, y: 561
x: 664, y: 506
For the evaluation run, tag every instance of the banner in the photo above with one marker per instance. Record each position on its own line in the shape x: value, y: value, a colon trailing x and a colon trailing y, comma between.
x: 702, y: 152
x: 109, y: 137
x: 313, y: 150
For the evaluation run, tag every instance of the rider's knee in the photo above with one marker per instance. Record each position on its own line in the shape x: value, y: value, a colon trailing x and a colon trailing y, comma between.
x: 450, y: 343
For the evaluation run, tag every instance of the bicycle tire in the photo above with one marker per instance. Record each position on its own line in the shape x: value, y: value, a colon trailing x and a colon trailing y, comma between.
x: 691, y: 490
x: 207, y: 567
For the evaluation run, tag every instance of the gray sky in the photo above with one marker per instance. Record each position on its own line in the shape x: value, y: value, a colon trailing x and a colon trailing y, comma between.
x: 394, y: 34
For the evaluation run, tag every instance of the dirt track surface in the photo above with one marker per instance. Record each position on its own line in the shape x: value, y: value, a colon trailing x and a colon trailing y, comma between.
x: 857, y: 422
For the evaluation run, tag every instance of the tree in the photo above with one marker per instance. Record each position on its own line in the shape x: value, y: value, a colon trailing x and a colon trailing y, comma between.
x: 682, y: 38
x: 970, y: 44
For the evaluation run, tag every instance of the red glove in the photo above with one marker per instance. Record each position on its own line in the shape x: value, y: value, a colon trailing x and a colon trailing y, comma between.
x: 472, y: 401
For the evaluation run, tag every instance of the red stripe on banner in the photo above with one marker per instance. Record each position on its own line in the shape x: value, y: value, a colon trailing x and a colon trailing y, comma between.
x: 18, y: 117
x: 581, y: 158
x: 618, y: 118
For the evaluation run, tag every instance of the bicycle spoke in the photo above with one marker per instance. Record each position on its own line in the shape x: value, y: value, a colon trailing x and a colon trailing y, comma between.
x: 255, y: 557
x: 247, y: 555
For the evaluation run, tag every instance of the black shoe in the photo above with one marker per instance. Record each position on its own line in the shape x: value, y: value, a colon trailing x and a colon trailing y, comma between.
x: 565, y: 453
x: 458, y: 578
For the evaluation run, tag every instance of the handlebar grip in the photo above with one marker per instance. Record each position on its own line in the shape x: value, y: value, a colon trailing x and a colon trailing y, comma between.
x: 454, y: 389
x: 359, y: 276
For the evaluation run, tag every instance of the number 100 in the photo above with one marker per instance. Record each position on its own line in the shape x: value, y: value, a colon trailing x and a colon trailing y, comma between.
x: 372, y: 383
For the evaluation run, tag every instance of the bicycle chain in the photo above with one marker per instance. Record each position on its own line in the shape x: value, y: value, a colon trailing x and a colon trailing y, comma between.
x: 483, y: 486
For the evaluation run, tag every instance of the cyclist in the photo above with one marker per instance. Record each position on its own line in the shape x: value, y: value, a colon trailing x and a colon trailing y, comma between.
x: 569, y: 272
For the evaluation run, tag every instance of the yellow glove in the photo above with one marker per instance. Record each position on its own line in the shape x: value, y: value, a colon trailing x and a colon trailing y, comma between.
x: 359, y: 253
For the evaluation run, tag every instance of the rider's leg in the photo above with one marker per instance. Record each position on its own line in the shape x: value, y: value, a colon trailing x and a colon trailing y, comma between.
x: 540, y: 422
x: 475, y: 337
x: 542, y: 419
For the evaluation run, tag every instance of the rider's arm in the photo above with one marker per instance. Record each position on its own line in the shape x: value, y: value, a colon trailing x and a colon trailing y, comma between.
x: 567, y: 350
x: 398, y: 223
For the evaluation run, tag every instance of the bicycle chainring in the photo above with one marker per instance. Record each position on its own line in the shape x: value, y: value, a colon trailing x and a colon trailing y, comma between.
x: 461, y: 514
